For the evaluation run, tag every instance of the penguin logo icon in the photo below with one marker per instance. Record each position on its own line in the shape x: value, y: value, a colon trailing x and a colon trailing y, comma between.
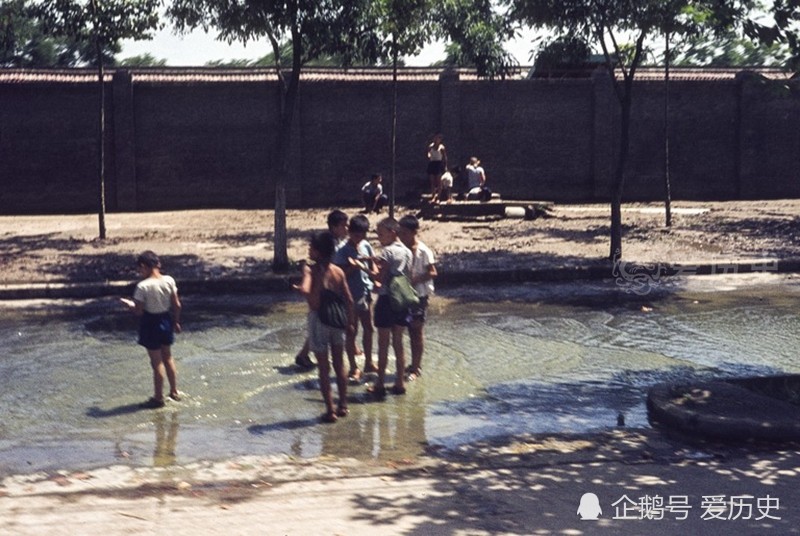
x: 589, y: 507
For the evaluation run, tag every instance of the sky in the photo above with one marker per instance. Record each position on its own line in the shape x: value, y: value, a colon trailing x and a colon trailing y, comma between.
x: 198, y: 48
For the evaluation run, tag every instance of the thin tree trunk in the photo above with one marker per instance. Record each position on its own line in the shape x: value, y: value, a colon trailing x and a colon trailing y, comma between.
x: 280, y: 259
x: 667, y: 186
x: 101, y: 131
x: 394, y: 133
x: 619, y: 174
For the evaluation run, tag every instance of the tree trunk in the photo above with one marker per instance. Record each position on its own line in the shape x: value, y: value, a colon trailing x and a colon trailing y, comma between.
x: 394, y: 133
x: 619, y: 173
x: 280, y: 259
x: 101, y: 136
x: 667, y: 186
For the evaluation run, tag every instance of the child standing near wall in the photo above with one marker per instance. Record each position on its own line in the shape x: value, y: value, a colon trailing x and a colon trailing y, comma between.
x: 156, y: 301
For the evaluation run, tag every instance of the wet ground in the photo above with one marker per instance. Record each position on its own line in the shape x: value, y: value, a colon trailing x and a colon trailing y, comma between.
x: 501, y: 360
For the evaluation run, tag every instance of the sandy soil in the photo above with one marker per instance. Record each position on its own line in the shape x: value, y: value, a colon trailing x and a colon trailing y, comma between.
x: 232, y: 243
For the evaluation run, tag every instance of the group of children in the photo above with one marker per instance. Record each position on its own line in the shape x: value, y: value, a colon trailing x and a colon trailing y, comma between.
x: 338, y: 285
x: 345, y: 266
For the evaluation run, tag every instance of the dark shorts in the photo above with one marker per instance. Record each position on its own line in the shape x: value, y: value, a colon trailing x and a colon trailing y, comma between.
x: 435, y: 167
x: 385, y: 317
x: 156, y: 331
x: 418, y: 313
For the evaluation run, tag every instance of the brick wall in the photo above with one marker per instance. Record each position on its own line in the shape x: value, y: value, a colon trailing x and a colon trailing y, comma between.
x: 175, y: 142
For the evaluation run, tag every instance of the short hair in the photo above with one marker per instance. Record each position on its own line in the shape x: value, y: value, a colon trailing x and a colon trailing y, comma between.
x: 336, y: 218
x: 324, y: 243
x: 359, y: 224
x: 410, y: 222
x: 390, y: 224
x: 148, y: 258
x: 375, y: 176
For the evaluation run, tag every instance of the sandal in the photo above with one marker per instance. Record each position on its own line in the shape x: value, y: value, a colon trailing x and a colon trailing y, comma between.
x: 175, y: 396
x: 342, y: 411
x: 304, y: 362
x: 413, y: 374
x: 377, y: 392
x: 329, y: 417
x: 152, y: 403
x: 397, y: 390
x: 354, y: 377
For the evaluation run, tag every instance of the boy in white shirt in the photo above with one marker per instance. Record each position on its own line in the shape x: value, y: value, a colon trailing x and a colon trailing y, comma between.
x: 422, y: 273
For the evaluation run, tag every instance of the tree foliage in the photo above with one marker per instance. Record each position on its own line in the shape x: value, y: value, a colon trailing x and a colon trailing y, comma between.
x: 781, y: 26
x: 25, y: 41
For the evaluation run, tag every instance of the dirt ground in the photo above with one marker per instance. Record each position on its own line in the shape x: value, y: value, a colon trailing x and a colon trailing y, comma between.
x: 203, y: 244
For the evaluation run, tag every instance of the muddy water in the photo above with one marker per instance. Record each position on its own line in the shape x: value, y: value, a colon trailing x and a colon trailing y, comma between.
x: 499, y: 360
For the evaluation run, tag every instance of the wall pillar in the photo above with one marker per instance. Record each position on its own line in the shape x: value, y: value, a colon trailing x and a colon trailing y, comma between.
x: 124, y: 141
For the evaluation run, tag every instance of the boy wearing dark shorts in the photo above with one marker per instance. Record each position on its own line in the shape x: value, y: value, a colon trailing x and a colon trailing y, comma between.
x: 422, y: 273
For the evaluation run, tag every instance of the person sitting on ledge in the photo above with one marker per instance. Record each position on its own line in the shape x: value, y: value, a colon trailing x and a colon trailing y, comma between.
x: 476, y: 181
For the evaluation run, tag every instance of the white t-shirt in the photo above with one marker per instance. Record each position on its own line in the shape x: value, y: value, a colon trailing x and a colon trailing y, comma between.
x: 447, y: 180
x: 156, y: 293
x: 423, y: 258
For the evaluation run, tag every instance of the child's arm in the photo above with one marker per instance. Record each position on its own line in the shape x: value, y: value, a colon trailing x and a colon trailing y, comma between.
x: 304, y: 287
x: 136, y: 307
x: 176, y: 312
x: 427, y: 275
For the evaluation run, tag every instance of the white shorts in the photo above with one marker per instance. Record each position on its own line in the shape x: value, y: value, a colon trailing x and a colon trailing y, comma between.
x: 321, y: 336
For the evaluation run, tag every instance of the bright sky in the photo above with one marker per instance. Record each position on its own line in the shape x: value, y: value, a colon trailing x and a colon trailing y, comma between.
x: 198, y: 48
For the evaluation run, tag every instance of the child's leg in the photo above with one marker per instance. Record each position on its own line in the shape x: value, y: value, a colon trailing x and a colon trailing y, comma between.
x: 350, y: 346
x: 324, y: 368
x: 417, y: 339
x: 366, y: 338
x: 171, y: 370
x: 400, y: 357
x: 383, y: 354
x: 341, y: 379
x: 157, y: 364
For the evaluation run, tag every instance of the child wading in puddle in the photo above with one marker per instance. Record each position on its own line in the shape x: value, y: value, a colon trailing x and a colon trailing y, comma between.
x: 330, y: 311
x: 355, y: 259
x: 395, y: 259
x: 156, y: 301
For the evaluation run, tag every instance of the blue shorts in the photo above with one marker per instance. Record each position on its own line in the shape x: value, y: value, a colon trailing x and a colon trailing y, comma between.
x: 155, y: 330
x: 385, y: 317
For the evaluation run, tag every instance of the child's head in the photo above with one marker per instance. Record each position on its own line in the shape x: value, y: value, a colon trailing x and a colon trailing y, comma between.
x: 337, y: 224
x: 387, y: 231
x: 358, y: 228
x: 408, y: 226
x: 376, y: 178
x: 148, y: 261
x: 322, y: 246
x: 455, y: 171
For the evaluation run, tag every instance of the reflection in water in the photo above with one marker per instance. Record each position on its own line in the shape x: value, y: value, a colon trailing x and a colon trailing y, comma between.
x: 534, y: 359
x: 166, y: 438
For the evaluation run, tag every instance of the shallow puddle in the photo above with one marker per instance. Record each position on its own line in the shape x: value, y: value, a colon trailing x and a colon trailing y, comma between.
x: 499, y: 360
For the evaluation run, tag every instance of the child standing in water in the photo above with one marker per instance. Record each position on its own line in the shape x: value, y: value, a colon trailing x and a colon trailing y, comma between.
x: 351, y: 258
x: 156, y: 301
x: 330, y: 311
x: 423, y: 271
x: 395, y: 259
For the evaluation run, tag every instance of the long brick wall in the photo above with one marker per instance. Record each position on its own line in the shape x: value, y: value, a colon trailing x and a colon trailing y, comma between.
x: 190, y: 139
